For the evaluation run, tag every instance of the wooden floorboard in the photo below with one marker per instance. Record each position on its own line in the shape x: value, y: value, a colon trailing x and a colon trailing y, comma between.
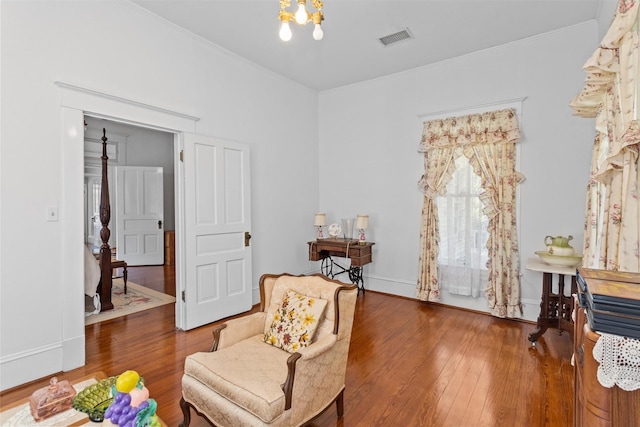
x: 410, y: 364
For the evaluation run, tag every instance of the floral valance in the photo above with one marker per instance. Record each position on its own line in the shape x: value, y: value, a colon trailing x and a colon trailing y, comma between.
x: 610, y: 93
x: 614, y: 61
x: 493, y: 127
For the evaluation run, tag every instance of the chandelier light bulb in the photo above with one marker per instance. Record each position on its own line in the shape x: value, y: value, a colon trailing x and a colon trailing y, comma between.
x: 301, y: 13
x: 300, y: 17
x: 285, y: 31
x: 317, y: 32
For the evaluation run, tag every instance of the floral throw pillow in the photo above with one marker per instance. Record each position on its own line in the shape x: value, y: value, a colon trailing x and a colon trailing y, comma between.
x: 295, y: 321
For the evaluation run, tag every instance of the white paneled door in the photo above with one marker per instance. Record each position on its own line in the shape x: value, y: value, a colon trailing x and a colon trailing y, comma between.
x: 92, y: 212
x: 217, y: 227
x: 139, y: 215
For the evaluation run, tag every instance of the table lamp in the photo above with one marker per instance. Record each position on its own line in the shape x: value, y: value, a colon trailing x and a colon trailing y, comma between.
x: 362, y: 223
x: 319, y: 221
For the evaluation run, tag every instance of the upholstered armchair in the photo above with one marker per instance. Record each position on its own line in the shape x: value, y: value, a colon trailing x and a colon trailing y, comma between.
x: 269, y: 368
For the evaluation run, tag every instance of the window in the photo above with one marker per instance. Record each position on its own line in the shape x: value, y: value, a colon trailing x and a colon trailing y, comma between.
x: 489, y: 141
x: 463, y: 255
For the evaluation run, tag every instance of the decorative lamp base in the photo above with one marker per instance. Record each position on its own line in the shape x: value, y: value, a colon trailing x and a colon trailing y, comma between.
x: 361, y: 237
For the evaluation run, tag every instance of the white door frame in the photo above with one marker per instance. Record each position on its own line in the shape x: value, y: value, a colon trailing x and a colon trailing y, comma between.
x: 75, y: 102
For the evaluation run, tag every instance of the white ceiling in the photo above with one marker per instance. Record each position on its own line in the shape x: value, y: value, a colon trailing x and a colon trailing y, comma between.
x: 350, y: 51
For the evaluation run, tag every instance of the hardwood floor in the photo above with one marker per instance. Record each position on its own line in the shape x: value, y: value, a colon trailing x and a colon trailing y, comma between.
x: 410, y: 364
x: 159, y: 278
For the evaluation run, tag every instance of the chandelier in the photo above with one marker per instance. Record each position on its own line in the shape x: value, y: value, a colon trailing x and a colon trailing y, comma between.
x: 300, y: 17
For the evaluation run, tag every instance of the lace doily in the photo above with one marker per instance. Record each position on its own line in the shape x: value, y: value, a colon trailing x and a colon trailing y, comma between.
x: 24, y: 418
x: 20, y: 416
x: 619, y: 359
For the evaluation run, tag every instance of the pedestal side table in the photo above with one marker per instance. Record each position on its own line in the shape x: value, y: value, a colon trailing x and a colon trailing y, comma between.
x: 555, y: 308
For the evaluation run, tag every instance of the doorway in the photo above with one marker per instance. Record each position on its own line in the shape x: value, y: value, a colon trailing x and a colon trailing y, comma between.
x: 127, y: 146
x: 153, y: 203
x: 75, y: 103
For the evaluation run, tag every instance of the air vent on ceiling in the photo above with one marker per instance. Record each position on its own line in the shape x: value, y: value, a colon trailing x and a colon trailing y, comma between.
x: 396, y: 37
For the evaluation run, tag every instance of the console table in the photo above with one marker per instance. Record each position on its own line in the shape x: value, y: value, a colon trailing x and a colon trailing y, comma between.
x: 555, y: 308
x: 325, y: 249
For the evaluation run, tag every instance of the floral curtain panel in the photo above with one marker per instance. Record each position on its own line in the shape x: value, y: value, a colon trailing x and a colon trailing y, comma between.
x: 438, y: 166
x: 610, y: 95
x: 488, y: 141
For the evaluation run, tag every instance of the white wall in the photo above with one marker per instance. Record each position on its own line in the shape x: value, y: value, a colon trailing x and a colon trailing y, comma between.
x: 604, y: 16
x: 370, y: 133
x: 117, y: 48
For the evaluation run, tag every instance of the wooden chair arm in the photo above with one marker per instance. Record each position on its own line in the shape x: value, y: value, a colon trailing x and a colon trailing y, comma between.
x: 216, y: 336
x: 287, y: 387
x: 317, y: 348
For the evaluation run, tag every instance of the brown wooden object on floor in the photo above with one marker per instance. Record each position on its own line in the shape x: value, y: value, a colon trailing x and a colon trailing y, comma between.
x: 359, y: 254
x: 104, y: 288
x: 348, y: 248
x: 555, y: 308
x: 594, y: 404
x: 123, y: 265
x: 169, y: 247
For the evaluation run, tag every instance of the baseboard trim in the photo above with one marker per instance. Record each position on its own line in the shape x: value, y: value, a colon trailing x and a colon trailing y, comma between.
x: 407, y: 289
x: 22, y: 367
x: 73, y: 351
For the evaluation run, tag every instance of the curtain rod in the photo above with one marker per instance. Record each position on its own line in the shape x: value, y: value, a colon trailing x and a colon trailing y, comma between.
x: 471, y: 109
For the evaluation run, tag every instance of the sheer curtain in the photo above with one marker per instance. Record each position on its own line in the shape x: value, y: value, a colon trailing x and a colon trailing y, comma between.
x: 463, y: 255
x: 488, y: 141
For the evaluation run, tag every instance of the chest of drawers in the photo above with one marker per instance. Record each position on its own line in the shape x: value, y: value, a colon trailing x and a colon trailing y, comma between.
x: 595, y: 405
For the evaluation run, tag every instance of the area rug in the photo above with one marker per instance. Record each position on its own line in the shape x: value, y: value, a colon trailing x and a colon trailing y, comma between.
x: 138, y: 298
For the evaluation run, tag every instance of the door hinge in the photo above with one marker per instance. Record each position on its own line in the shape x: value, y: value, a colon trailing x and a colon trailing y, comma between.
x: 182, y: 155
x: 184, y: 296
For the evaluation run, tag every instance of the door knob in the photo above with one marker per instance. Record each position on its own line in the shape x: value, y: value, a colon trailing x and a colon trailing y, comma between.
x: 247, y: 237
x: 159, y: 224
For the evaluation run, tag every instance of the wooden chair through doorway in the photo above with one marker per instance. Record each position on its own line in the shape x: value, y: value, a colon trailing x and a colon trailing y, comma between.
x: 123, y: 265
x: 115, y: 264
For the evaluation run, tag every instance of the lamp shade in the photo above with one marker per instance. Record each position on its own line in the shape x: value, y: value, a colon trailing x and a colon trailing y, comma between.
x: 362, y: 222
x: 320, y: 220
